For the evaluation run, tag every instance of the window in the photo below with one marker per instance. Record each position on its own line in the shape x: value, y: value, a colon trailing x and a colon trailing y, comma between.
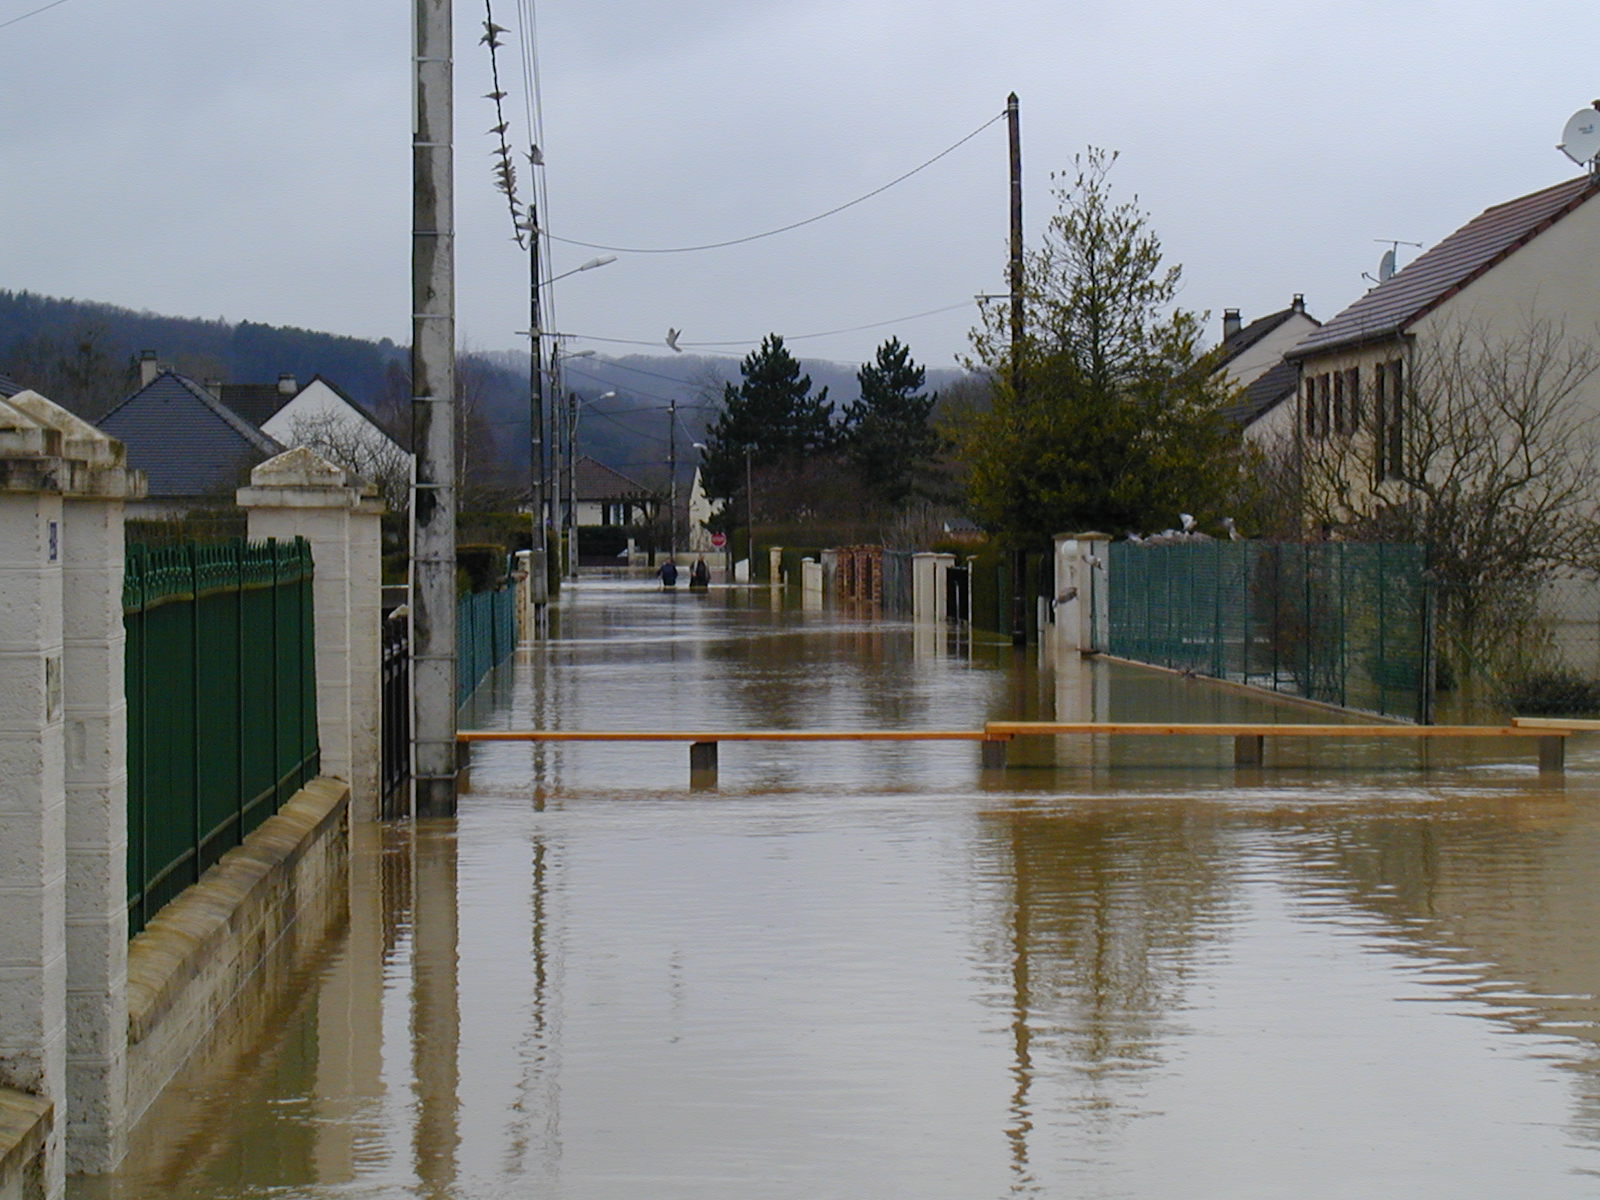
x: 1388, y: 432
x: 1338, y: 402
x: 1352, y: 399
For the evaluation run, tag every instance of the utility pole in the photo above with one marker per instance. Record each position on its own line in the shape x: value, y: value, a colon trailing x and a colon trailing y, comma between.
x: 557, y: 521
x: 672, y: 476
x: 538, y: 466
x: 1019, y: 558
x: 433, y: 366
x: 572, y: 478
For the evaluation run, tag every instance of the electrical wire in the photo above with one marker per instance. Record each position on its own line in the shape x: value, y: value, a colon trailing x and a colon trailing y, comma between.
x: 34, y: 13
x: 755, y: 237
x: 799, y: 337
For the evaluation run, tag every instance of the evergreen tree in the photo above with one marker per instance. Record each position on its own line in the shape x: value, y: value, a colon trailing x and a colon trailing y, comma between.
x: 771, y: 414
x: 886, y: 431
x: 1115, y: 423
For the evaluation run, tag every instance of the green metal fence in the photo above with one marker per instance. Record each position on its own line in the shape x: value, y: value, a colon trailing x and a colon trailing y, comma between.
x: 1343, y: 623
x: 222, y: 715
x: 486, y: 634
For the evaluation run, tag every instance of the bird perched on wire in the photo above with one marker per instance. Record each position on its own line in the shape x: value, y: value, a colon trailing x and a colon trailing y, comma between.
x: 491, y: 34
x: 672, y: 340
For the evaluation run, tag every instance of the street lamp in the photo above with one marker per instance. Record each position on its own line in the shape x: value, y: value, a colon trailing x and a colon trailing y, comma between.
x: 539, y: 466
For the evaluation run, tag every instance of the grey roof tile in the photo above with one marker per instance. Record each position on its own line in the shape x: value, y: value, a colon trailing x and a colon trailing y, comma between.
x: 186, y: 442
x: 1264, y: 393
x: 9, y: 386
x: 1445, y: 269
x: 596, y: 481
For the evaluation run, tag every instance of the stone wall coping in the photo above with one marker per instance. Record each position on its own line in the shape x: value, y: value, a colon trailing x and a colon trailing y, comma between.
x: 24, y: 1124
x: 178, y: 940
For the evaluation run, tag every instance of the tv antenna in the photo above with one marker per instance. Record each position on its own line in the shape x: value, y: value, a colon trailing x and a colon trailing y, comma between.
x: 1386, y: 264
x: 1580, y: 140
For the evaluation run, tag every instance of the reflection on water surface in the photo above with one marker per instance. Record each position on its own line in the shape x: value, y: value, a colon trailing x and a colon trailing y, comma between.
x: 1117, y: 971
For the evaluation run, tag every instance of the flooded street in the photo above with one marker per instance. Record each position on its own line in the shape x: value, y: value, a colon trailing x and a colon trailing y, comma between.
x: 1117, y: 969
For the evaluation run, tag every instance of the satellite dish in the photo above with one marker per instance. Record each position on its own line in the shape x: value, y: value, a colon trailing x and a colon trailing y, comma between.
x: 1386, y: 263
x: 1580, y: 140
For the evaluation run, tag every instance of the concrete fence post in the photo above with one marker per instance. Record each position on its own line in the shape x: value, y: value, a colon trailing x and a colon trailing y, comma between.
x: 299, y: 493
x: 63, y: 780
x: 941, y: 586
x: 1081, y: 563
x: 33, y: 797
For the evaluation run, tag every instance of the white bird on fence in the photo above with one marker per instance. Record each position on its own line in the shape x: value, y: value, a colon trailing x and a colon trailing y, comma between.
x: 1187, y: 521
x: 1233, y: 530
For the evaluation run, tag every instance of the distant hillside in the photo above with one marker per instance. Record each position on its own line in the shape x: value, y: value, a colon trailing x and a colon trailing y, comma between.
x: 84, y: 354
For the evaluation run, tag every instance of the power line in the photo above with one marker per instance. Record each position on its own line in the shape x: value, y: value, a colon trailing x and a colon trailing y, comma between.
x: 34, y: 13
x: 754, y: 237
x: 799, y: 337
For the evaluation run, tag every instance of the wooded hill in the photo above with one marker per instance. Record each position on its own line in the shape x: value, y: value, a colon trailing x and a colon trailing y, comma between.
x: 85, y: 355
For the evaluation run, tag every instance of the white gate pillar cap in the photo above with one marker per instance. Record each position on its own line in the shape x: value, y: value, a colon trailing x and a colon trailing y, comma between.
x: 302, y: 478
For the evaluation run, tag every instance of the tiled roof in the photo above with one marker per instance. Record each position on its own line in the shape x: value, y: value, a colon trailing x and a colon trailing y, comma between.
x: 1236, y: 344
x: 9, y: 386
x: 186, y: 442
x: 596, y: 481
x: 1435, y: 276
x: 1264, y: 394
x: 255, y: 402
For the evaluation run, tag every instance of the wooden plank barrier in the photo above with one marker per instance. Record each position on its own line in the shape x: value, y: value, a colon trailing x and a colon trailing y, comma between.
x: 1249, y: 739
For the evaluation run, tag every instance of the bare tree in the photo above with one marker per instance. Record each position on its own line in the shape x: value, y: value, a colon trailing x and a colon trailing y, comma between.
x: 355, y: 446
x: 1486, y: 456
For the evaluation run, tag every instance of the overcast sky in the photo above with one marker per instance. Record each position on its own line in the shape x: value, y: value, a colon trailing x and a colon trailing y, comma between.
x: 251, y: 159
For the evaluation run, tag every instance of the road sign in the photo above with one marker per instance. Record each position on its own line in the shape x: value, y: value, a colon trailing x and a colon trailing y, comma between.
x: 718, y: 540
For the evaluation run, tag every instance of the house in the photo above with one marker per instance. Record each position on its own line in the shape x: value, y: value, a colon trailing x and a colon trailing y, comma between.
x: 193, y: 440
x: 606, y: 496
x: 321, y: 416
x: 701, y: 509
x: 1525, y: 263
x: 1251, y: 357
x: 193, y: 449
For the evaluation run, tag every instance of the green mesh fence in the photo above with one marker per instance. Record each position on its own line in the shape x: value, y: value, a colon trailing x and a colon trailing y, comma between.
x: 486, y: 634
x: 222, y: 715
x: 1343, y: 623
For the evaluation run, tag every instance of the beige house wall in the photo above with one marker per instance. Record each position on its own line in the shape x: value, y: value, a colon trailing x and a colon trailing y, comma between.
x: 1266, y: 353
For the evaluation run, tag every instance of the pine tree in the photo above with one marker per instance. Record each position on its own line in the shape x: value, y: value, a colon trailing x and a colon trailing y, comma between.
x: 1115, y: 425
x: 771, y: 414
x: 886, y: 431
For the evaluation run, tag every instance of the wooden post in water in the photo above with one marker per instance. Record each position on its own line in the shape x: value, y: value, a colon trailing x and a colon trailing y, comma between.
x: 703, y: 764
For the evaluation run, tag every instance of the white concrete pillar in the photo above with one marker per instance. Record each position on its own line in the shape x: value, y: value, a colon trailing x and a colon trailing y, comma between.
x: 86, y: 549
x: 33, y: 808
x: 922, y: 572
x: 941, y: 586
x: 300, y: 494
x: 1081, y: 584
x: 527, y: 617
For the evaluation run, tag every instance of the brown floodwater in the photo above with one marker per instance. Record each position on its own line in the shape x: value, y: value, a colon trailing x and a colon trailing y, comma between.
x: 1116, y: 969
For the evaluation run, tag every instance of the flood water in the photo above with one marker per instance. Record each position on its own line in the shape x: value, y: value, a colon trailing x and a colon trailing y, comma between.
x: 1113, y: 970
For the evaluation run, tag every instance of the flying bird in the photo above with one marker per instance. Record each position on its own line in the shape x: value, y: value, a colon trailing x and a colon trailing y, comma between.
x: 672, y: 340
x: 1187, y: 521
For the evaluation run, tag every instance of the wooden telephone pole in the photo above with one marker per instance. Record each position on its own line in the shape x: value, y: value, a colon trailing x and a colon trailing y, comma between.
x: 1019, y: 557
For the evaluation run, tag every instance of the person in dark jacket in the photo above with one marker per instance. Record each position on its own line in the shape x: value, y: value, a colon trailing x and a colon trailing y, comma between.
x: 700, y: 576
x: 669, y: 574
